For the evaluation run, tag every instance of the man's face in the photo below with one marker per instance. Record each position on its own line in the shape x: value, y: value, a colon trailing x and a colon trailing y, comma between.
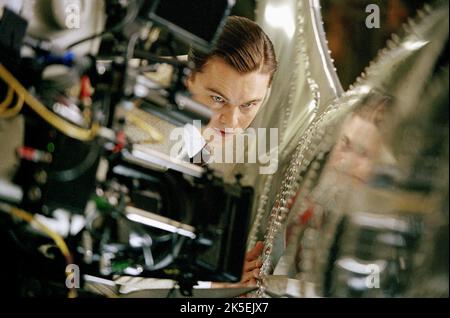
x: 357, y: 148
x: 234, y: 98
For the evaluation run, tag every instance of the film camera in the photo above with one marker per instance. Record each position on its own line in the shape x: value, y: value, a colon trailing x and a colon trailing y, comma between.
x: 75, y: 189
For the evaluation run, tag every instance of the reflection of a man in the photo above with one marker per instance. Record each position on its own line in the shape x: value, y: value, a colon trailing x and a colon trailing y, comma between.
x: 350, y: 164
x: 360, y: 141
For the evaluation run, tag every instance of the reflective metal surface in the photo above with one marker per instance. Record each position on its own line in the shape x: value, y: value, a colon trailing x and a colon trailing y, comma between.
x: 305, y: 83
x: 349, y: 234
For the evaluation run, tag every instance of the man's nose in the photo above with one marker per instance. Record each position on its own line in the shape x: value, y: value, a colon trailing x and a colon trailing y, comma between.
x: 230, y: 116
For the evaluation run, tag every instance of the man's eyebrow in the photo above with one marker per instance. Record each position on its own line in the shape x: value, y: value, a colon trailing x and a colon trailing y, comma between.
x: 253, y: 101
x: 217, y: 92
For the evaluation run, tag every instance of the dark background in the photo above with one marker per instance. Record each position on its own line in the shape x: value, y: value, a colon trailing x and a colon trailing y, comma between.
x: 352, y: 44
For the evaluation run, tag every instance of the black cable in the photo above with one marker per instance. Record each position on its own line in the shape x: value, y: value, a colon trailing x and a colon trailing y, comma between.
x: 140, y: 54
x: 129, y: 17
x: 91, y: 37
x: 77, y: 171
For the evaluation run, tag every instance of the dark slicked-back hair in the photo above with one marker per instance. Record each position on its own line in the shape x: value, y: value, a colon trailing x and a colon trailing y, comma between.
x: 243, y: 45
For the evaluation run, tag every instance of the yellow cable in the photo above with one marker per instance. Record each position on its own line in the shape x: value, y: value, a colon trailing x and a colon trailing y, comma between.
x: 65, y: 127
x: 15, y: 110
x: 59, y: 241
x: 8, y: 99
x: 139, y: 122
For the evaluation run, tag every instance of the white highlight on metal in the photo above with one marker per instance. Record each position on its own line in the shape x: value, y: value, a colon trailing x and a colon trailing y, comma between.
x: 160, y: 222
x: 281, y: 17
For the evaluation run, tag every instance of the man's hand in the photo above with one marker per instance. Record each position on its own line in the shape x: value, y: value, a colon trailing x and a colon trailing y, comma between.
x: 252, y: 265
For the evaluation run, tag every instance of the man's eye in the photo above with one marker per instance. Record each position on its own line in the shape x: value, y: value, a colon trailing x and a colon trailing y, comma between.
x: 249, y: 105
x: 218, y: 99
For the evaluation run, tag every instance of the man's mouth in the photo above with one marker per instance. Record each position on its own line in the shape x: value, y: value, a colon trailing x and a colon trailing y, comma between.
x: 224, y: 132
